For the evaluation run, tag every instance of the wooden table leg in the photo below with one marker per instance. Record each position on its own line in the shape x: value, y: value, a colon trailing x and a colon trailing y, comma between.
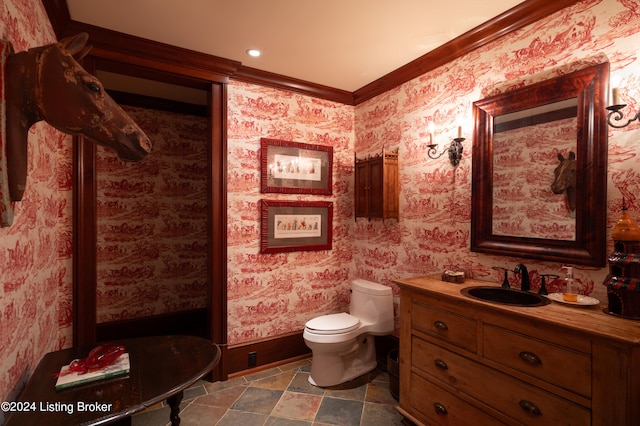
x: 123, y: 422
x: 174, y: 403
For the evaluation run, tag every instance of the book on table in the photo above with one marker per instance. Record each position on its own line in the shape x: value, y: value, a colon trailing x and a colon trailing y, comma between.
x: 68, y: 379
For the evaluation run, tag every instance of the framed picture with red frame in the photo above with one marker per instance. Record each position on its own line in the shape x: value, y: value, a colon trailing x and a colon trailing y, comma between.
x: 295, y: 168
x: 287, y: 226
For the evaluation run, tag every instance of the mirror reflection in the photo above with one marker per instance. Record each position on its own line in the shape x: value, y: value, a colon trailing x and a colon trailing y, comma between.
x: 539, y: 170
x: 533, y: 189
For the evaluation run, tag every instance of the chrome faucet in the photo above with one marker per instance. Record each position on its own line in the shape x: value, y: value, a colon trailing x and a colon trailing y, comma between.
x: 521, y: 269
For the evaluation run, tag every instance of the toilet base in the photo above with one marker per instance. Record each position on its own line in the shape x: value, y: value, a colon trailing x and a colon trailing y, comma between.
x: 334, y: 368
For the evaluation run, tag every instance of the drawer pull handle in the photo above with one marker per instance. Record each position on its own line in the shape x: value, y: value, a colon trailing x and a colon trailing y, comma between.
x: 440, y: 326
x: 530, y: 358
x: 441, y: 364
x: 530, y: 407
x: 441, y: 410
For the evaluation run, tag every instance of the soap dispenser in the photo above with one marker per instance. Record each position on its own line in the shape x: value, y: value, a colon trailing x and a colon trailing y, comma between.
x: 569, y: 292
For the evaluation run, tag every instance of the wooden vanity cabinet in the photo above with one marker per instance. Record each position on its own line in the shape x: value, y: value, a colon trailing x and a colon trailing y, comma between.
x: 377, y: 186
x: 468, y: 362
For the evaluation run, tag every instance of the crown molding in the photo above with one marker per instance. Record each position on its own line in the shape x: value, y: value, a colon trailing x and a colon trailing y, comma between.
x: 125, y: 49
x: 524, y: 14
x: 265, y: 78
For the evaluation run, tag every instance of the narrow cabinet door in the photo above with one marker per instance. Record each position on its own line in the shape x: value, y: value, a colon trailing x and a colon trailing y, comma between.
x: 376, y: 186
x: 362, y: 189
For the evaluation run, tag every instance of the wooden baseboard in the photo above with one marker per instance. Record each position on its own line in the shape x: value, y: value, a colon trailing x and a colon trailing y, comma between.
x: 267, y: 351
x: 268, y: 366
x: 193, y: 322
x: 284, y: 349
x: 235, y: 359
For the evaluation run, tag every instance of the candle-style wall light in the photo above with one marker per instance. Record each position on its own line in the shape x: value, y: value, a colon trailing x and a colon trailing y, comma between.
x: 616, y: 116
x: 454, y: 149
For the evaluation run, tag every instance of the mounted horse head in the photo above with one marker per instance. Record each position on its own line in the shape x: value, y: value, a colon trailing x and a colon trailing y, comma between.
x: 47, y: 83
x: 565, y: 180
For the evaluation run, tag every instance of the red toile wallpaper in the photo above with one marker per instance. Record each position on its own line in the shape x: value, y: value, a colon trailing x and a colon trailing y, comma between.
x: 35, y: 252
x: 275, y: 294
x: 433, y: 233
x: 152, y: 221
x: 529, y: 155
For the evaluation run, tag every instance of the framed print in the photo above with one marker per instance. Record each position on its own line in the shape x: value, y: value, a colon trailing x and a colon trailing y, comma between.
x: 295, y: 168
x: 295, y: 226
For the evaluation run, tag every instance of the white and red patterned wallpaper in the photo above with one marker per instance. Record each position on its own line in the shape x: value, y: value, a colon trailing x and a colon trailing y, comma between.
x: 524, y: 163
x: 433, y: 233
x: 152, y: 221
x: 266, y: 292
x: 275, y: 294
x: 35, y: 252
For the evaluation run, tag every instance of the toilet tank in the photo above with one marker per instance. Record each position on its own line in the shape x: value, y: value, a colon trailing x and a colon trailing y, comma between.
x: 372, y: 304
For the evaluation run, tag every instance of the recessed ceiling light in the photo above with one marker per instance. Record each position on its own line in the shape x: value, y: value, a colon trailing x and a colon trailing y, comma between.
x: 253, y: 52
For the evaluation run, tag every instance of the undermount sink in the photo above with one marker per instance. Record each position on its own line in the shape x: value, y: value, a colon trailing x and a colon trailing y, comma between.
x: 505, y: 296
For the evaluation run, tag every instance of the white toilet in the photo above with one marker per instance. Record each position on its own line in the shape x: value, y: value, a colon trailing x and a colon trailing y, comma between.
x: 342, y: 344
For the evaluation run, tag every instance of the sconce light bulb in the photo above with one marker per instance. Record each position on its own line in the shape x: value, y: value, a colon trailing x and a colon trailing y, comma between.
x: 616, y: 96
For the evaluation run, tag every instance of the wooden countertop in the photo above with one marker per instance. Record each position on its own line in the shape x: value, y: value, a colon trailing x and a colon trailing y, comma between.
x: 591, y: 320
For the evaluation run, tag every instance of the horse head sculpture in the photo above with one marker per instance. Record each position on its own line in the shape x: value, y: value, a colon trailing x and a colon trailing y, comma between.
x: 47, y: 83
x: 565, y: 180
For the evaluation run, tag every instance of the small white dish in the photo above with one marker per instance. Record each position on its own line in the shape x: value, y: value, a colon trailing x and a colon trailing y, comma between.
x: 582, y: 300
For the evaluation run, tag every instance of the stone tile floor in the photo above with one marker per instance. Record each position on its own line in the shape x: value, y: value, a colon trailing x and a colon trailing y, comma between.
x: 283, y: 396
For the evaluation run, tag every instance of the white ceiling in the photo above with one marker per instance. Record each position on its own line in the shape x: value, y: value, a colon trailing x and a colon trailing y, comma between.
x: 343, y: 44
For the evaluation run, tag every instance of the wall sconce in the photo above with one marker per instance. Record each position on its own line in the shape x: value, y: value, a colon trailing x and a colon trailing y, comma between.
x: 616, y: 114
x: 454, y: 149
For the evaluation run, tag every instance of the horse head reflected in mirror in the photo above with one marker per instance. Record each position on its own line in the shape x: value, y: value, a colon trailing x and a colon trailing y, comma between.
x: 47, y: 83
x: 565, y: 180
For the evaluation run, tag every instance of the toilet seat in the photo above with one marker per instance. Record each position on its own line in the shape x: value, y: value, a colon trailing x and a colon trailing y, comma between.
x: 333, y: 324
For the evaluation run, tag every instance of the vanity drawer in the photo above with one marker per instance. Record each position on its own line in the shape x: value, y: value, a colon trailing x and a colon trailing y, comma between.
x: 552, y: 363
x: 453, y: 328
x: 523, y: 402
x: 443, y: 408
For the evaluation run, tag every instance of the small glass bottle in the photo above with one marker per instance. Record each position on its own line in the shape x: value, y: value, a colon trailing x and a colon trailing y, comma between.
x: 569, y: 292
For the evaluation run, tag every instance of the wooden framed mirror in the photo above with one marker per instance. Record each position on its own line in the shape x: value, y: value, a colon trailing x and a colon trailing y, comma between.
x: 520, y: 138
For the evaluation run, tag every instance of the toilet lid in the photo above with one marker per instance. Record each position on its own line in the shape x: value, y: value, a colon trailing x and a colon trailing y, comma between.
x: 333, y: 324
